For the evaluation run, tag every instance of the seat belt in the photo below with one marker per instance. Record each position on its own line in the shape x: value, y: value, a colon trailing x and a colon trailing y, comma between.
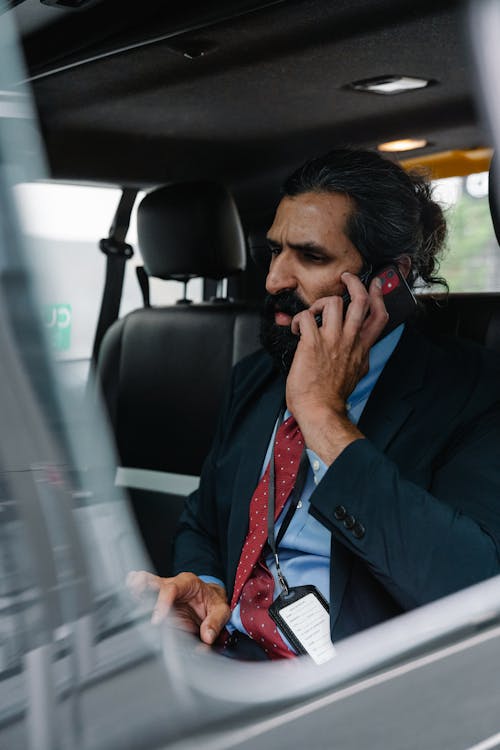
x: 117, y: 252
x: 143, y: 280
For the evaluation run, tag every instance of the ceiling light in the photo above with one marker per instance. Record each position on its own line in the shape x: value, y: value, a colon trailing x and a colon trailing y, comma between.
x: 407, y: 144
x: 389, y: 85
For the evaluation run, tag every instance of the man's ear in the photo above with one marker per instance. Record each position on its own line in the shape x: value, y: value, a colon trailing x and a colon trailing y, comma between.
x: 403, y: 262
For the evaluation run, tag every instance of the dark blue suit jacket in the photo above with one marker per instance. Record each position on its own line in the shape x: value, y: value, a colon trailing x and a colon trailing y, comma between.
x: 424, y: 485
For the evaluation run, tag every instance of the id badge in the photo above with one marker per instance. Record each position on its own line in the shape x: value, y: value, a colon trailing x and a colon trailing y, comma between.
x: 303, y: 616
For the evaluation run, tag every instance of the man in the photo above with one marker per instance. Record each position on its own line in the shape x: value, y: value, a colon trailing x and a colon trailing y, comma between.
x: 399, y: 498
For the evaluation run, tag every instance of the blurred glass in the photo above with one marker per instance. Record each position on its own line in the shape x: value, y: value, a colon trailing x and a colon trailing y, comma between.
x: 67, y: 540
x: 62, y: 225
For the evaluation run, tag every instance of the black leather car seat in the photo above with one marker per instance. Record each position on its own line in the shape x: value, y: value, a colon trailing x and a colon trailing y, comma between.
x: 164, y: 370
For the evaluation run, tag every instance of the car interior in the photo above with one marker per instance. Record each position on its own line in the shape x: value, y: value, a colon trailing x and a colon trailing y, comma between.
x: 197, y: 112
x: 207, y: 107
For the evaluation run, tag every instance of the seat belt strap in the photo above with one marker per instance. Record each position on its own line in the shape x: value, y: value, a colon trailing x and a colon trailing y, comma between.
x: 117, y: 253
x: 143, y: 280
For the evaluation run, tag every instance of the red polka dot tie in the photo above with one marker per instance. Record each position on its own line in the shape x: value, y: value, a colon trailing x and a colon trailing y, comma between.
x: 254, y: 583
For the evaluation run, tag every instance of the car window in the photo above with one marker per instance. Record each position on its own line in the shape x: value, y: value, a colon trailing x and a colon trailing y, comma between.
x: 63, y: 224
x: 472, y: 262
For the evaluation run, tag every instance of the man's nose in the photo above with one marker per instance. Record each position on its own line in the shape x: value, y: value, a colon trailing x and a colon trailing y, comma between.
x: 280, y: 276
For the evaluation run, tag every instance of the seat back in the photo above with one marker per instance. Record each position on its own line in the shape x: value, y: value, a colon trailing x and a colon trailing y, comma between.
x: 469, y: 316
x: 163, y: 371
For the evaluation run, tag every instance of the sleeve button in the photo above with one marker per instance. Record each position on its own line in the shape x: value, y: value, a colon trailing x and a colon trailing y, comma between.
x: 358, y: 530
x: 349, y: 522
x: 340, y: 512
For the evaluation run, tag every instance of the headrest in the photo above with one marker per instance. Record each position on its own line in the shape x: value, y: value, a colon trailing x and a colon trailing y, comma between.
x: 259, y: 250
x: 190, y: 229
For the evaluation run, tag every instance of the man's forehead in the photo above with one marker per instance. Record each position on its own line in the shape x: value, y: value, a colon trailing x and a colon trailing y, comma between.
x: 310, y: 215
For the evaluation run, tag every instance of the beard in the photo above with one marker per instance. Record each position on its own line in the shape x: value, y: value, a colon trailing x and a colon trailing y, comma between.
x: 277, y: 340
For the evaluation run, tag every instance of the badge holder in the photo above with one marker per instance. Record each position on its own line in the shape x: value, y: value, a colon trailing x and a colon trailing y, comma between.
x: 303, y: 615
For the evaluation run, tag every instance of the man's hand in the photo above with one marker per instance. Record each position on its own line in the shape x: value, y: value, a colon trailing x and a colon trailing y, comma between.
x: 198, y: 607
x: 330, y: 361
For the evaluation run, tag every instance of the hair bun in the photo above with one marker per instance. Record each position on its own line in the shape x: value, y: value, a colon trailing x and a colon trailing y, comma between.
x: 431, y: 215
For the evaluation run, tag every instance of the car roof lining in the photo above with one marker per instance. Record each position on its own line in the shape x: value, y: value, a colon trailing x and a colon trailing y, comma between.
x: 269, y: 92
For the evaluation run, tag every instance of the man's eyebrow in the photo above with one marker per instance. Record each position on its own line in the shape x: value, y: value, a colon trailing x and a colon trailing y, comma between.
x: 308, y: 246
x: 270, y: 241
x: 300, y: 246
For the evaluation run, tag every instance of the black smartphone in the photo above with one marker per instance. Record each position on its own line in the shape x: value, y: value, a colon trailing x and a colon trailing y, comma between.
x: 399, y: 300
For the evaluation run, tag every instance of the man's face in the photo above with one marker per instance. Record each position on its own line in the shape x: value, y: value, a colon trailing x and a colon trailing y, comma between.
x: 310, y: 251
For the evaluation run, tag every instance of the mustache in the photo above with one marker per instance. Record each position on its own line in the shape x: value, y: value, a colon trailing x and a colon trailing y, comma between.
x: 288, y: 302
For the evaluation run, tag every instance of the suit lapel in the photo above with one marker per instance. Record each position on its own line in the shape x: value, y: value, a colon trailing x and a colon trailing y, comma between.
x: 394, y: 398
x: 257, y: 432
x: 397, y: 392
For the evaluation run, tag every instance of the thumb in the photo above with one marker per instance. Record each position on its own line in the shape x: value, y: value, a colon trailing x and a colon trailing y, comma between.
x: 217, y: 616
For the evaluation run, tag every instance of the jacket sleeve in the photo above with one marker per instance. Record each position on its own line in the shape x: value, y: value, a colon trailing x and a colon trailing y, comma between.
x: 421, y: 544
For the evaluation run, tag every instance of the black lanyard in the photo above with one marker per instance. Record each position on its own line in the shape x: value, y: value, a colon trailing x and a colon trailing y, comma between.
x: 294, y: 501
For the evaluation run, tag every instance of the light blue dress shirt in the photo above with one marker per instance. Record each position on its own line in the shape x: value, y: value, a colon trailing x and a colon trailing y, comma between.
x: 304, y: 551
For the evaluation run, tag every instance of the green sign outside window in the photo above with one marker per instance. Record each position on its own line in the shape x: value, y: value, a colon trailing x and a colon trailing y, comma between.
x: 57, y: 318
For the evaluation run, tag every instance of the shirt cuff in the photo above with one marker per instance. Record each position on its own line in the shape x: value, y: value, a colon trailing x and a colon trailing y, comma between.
x: 319, y: 468
x: 212, y: 579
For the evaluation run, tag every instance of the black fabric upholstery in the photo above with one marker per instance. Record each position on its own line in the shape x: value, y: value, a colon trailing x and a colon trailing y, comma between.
x: 164, y: 371
x: 188, y: 230
x: 469, y: 316
x: 157, y: 514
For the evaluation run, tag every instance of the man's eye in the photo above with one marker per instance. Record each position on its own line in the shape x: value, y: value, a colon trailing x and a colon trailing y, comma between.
x: 274, y: 249
x: 313, y: 257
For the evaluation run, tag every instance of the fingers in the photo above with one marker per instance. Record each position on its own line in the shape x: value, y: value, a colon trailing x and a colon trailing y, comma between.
x: 218, y: 615
x: 161, y: 609
x: 331, y: 310
x: 140, y: 581
x: 378, y: 317
x: 359, y: 305
x: 366, y: 315
x: 199, y: 606
x: 170, y: 589
x: 303, y: 323
x: 185, y: 588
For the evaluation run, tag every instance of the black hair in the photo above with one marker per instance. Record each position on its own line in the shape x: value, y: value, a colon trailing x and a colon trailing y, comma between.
x: 393, y: 210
